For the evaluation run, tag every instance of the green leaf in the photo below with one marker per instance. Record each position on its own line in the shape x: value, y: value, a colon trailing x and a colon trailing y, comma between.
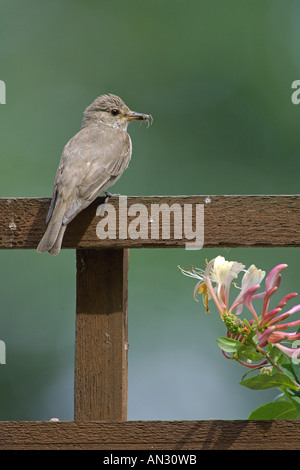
x: 251, y: 371
x: 274, y: 353
x: 295, y: 366
x: 264, y: 381
x: 275, y: 410
x: 294, y: 397
x: 228, y: 344
x: 249, y: 354
x: 291, y: 369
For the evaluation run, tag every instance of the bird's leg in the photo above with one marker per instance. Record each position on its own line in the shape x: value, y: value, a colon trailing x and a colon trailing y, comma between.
x: 108, y: 195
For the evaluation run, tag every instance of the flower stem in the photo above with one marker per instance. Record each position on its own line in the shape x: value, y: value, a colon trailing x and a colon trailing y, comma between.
x: 262, y: 351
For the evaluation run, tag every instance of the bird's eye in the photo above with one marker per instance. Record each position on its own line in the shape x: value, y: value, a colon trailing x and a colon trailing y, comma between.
x: 114, y: 112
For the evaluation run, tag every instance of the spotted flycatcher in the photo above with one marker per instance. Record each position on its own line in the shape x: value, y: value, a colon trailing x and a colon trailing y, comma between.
x: 91, y: 162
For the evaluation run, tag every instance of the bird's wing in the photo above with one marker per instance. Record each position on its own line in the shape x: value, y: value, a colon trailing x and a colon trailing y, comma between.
x: 107, y: 163
x: 86, y: 194
x: 91, y: 162
x: 54, y: 191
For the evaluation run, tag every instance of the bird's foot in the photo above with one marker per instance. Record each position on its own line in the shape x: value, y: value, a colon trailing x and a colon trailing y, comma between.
x: 108, y: 195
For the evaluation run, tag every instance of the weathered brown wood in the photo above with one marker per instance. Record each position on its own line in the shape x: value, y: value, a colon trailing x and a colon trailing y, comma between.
x: 101, y: 329
x: 230, y: 221
x: 152, y: 435
x: 101, y: 335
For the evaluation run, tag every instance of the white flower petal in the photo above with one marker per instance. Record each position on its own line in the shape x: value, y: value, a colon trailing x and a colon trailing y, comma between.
x: 226, y: 271
x: 252, y: 277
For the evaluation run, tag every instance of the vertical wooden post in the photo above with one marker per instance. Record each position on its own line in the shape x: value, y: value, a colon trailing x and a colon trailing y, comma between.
x: 101, y: 335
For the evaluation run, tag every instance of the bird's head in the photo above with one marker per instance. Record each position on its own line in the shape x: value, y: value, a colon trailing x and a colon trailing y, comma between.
x: 112, y: 111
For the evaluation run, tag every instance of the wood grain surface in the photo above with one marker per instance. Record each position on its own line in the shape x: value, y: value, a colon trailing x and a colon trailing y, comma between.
x: 229, y: 221
x: 101, y: 335
x: 152, y: 435
x: 101, y: 319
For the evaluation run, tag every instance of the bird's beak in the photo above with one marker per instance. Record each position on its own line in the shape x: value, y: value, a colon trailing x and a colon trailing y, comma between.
x: 132, y: 116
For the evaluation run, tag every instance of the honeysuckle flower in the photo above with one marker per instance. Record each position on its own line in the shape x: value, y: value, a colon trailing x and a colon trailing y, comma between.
x: 291, y: 352
x: 215, y: 282
x: 252, y: 277
x: 267, y: 343
x: 268, y: 324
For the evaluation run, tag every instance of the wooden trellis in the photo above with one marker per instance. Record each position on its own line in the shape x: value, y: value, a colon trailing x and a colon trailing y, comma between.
x: 101, y: 325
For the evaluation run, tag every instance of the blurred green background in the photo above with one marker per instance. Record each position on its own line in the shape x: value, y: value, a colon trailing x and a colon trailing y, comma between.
x: 216, y: 76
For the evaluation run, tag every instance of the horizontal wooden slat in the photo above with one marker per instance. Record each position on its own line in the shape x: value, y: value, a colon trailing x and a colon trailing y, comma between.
x: 229, y: 221
x: 151, y: 435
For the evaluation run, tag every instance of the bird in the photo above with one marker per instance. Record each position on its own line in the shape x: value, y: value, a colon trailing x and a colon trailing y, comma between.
x: 91, y: 162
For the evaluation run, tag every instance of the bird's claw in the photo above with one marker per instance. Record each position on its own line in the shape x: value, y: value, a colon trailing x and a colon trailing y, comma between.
x: 108, y: 195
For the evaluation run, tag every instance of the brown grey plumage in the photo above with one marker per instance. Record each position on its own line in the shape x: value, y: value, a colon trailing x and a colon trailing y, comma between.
x: 91, y: 162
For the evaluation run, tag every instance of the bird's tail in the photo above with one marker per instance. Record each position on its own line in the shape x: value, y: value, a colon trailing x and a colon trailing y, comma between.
x: 53, y: 236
